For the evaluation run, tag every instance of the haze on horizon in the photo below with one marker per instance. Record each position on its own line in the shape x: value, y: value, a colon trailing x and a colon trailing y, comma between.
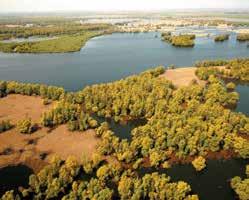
x: 116, y: 5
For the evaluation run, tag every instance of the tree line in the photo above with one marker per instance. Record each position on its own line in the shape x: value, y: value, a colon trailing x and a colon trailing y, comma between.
x: 236, y: 69
x: 51, y: 30
x: 30, y: 89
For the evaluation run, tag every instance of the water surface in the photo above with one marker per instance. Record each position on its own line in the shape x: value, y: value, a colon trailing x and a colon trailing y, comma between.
x: 243, y: 104
x: 112, y: 57
x: 14, y: 176
x: 213, y: 183
x: 116, y: 56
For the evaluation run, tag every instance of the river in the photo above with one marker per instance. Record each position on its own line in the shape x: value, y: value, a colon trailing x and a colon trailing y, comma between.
x: 112, y: 57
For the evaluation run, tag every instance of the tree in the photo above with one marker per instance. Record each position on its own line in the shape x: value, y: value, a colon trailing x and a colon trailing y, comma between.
x: 230, y: 86
x: 199, y: 163
x: 247, y: 170
x: 25, y: 126
x: 240, y: 187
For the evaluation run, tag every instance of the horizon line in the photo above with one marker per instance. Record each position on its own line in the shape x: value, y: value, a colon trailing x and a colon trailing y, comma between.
x: 125, y: 10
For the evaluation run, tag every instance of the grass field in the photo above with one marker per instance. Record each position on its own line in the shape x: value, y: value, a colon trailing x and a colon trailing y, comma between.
x: 65, y: 43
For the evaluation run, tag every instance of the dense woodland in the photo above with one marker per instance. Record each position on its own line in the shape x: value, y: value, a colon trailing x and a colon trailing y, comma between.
x: 184, y: 124
x: 69, y: 180
x: 237, y: 69
x: 29, y: 89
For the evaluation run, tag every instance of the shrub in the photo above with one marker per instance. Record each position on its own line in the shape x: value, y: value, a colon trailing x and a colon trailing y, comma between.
x: 5, y: 125
x: 231, y: 86
x: 25, y: 126
x: 46, y: 101
x: 199, y: 163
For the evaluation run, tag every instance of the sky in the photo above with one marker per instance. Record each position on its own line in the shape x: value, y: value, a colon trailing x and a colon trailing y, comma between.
x: 109, y: 5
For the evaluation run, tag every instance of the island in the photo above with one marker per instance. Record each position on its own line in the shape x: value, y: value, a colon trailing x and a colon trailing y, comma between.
x: 221, y: 38
x: 186, y: 40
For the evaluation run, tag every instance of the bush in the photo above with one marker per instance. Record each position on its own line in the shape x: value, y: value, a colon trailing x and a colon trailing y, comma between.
x: 25, y: 126
x: 3, y: 86
x: 199, y: 163
x: 231, y: 86
x: 46, y: 101
x: 5, y: 125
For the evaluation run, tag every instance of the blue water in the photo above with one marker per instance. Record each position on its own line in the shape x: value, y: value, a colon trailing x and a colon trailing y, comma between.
x: 111, y: 57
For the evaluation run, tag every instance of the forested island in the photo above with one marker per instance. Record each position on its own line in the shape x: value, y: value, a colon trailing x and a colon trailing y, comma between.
x: 190, y: 123
x: 221, y: 38
x: 179, y: 40
x: 242, y: 37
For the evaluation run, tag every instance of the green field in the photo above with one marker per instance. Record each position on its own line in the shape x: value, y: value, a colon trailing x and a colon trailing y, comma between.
x: 65, y: 43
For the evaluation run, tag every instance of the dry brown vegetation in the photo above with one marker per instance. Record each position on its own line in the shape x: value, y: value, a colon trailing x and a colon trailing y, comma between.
x: 36, y: 149
x: 15, y: 107
x: 64, y: 143
x: 182, y: 76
